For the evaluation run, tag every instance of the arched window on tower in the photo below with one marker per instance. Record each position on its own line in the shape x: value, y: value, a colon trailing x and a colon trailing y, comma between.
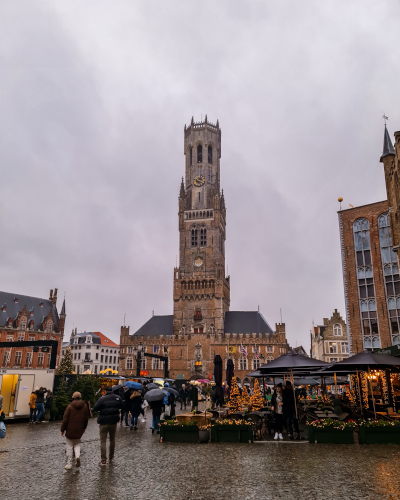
x: 203, y: 237
x: 209, y: 154
x: 194, y: 237
x: 199, y: 153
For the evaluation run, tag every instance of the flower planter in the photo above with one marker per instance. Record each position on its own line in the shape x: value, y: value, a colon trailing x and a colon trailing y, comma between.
x: 330, y: 435
x: 204, y: 436
x: 231, y: 434
x: 379, y: 435
x: 177, y: 434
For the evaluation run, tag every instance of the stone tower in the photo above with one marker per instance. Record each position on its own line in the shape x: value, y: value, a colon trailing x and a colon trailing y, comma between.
x: 201, y: 289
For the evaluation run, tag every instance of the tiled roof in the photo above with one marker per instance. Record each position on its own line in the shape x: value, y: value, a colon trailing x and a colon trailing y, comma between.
x: 157, y: 325
x: 97, y: 338
x: 33, y: 305
x: 246, y: 322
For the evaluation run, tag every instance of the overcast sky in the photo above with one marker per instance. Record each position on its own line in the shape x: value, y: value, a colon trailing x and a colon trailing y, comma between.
x: 94, y: 96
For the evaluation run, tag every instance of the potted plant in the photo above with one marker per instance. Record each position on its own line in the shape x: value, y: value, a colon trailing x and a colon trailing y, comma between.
x: 204, y: 433
x: 331, y: 431
x: 231, y: 431
x: 379, y: 432
x: 181, y: 432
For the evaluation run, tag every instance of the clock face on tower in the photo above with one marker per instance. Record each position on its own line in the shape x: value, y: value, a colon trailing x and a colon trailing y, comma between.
x: 199, y: 180
x: 198, y: 262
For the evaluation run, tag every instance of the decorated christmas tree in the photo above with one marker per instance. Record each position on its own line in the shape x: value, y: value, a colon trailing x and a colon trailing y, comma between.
x: 256, y: 400
x: 245, y: 398
x: 66, y: 367
x: 234, y: 397
x: 61, y: 400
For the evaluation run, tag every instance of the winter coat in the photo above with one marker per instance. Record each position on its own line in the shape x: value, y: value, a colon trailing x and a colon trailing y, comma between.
x: 171, y: 402
x: 274, y: 403
x: 109, y: 407
x: 40, y: 396
x: 75, y: 419
x: 32, y: 401
x: 157, y: 406
x: 288, y: 402
x: 136, y: 403
x: 194, y: 396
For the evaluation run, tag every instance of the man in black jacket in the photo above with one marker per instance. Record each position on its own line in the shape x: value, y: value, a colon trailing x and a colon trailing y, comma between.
x: 108, y: 407
x: 289, y: 410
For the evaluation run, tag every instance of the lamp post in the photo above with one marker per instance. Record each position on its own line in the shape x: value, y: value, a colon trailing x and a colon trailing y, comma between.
x: 137, y: 351
x: 262, y: 362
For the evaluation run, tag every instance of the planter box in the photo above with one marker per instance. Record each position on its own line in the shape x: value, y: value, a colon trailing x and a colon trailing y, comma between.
x: 379, y: 435
x: 330, y: 435
x: 176, y: 434
x: 231, y: 434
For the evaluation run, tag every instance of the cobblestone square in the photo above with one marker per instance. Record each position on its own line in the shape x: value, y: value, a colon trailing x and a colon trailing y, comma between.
x: 32, y: 463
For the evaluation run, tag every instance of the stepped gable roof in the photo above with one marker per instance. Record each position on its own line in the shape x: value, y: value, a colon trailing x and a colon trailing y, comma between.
x: 32, y: 304
x: 97, y: 338
x: 246, y: 322
x: 157, y: 325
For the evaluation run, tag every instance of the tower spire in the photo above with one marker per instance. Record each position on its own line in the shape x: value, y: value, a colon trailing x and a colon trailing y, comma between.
x: 182, y: 191
x: 387, y: 144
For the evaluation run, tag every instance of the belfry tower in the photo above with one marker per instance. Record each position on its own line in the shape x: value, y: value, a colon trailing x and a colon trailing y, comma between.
x: 201, y: 289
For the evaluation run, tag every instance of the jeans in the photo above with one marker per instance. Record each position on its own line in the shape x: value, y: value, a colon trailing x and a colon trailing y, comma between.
x: 73, y: 444
x: 134, y: 420
x: 40, y: 410
x: 156, y: 421
x: 292, y: 422
x: 278, y: 423
x: 183, y: 402
x: 104, y: 431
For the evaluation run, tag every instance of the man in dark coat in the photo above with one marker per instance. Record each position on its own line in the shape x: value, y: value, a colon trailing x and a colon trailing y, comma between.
x: 74, y: 424
x: 157, y: 407
x: 289, y: 411
x: 182, y: 395
x: 108, y: 407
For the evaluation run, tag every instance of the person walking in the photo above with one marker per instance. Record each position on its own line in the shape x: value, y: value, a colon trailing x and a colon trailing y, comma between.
x: 157, y: 407
x: 47, y: 404
x: 74, y: 423
x: 32, y: 408
x: 171, y: 403
x: 108, y: 407
x: 277, y: 408
x: 121, y: 393
x: 136, y: 408
x: 289, y: 411
x: 127, y: 404
x: 182, y: 395
x: 39, y: 403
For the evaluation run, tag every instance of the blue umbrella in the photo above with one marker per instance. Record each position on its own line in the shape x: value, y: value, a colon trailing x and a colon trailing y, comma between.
x: 133, y: 385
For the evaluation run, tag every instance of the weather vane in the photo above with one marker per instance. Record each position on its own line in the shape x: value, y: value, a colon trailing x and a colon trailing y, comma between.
x: 385, y: 118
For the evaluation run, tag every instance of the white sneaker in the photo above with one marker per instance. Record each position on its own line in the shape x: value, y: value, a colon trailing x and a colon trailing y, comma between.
x: 280, y: 436
x: 276, y: 435
x: 68, y: 466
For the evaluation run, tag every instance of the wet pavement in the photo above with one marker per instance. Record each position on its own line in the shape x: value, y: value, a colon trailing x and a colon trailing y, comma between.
x: 32, y: 463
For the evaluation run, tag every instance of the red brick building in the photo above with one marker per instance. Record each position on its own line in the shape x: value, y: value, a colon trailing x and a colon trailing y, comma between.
x: 202, y: 325
x: 24, y: 318
x: 370, y: 264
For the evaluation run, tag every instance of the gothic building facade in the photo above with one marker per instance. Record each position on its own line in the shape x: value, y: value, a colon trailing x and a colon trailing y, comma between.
x: 202, y: 325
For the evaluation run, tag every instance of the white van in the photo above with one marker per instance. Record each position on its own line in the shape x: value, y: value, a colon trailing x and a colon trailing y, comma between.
x: 16, y: 386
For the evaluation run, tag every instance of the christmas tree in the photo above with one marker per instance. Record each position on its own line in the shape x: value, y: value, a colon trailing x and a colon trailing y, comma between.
x: 60, y: 401
x: 256, y: 400
x: 245, y: 398
x: 234, y: 397
x: 66, y: 367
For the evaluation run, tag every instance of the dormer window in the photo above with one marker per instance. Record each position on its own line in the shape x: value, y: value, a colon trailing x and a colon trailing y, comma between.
x: 16, y: 300
x: 22, y: 325
x: 41, y: 303
x: 4, y: 308
x: 76, y: 340
x: 88, y: 339
x: 49, y: 327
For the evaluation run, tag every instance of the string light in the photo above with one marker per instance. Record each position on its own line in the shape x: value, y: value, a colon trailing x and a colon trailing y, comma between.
x: 385, y: 389
x: 393, y: 393
x: 234, y: 398
x: 364, y: 389
x: 256, y: 399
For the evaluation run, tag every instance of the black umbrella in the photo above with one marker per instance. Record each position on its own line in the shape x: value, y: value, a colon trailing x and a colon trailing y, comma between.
x: 365, y: 360
x: 229, y: 371
x: 170, y: 390
x: 152, y: 386
x: 218, y: 391
x: 117, y: 387
x: 155, y: 395
x: 291, y: 362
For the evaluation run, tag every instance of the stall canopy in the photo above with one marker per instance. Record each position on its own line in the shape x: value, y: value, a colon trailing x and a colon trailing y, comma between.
x: 292, y: 362
x: 366, y: 360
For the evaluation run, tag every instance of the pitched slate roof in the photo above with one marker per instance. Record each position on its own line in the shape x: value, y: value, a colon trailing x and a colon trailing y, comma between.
x: 33, y: 304
x: 387, y: 145
x: 157, y: 325
x: 246, y: 322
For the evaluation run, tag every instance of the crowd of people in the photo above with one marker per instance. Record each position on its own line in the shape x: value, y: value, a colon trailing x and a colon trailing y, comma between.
x: 40, y: 402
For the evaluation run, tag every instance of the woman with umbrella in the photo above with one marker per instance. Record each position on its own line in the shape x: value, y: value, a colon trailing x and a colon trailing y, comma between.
x: 155, y: 398
x: 136, y: 408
